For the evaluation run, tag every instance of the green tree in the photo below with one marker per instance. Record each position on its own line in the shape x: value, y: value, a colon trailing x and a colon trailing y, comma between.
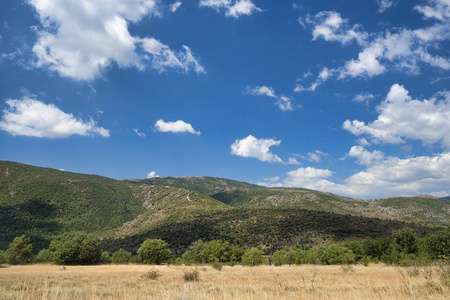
x: 217, y: 251
x: 438, y: 245
x: 3, y: 258
x: 19, y: 250
x: 76, y: 248
x: 253, y: 257
x: 106, y: 258
x: 154, y: 251
x: 279, y: 257
x: 405, y: 240
x: 336, y: 254
x: 121, y: 257
x: 44, y: 256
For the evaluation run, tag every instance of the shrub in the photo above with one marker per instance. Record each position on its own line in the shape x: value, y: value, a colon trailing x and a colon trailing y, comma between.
x: 279, y: 257
x: 217, y: 265
x: 76, y: 248
x: 44, y: 256
x: 121, y: 257
x: 253, y: 257
x: 152, y: 274
x: 191, y: 276
x: 3, y: 257
x: 154, y: 251
x: 106, y: 258
x: 19, y: 250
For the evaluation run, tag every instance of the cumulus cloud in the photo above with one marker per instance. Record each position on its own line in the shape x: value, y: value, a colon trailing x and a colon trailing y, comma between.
x: 256, y: 148
x: 81, y: 39
x: 315, y: 156
x: 293, y: 161
x: 365, y: 157
x: 323, y: 76
x: 234, y: 8
x: 283, y: 102
x: 175, y: 6
x: 384, y: 5
x: 330, y: 26
x: 152, y: 174
x: 175, y: 127
x: 399, y: 49
x: 382, y: 177
x: 363, y: 97
x: 401, y: 117
x: 31, y: 117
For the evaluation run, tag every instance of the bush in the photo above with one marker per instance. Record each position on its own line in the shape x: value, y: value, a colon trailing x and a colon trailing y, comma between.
x: 154, y: 251
x: 106, y: 258
x: 217, y: 265
x: 76, y: 248
x: 253, y: 257
x: 19, y: 250
x: 44, y: 256
x: 152, y: 274
x: 191, y: 276
x: 3, y: 258
x: 336, y: 254
x: 279, y: 257
x: 121, y: 257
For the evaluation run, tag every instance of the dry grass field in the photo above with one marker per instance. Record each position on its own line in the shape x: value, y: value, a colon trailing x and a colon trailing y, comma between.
x: 263, y: 282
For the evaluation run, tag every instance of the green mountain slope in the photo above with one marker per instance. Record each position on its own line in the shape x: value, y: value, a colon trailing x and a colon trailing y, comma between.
x: 266, y: 228
x: 42, y: 202
x: 413, y: 209
x: 203, y: 185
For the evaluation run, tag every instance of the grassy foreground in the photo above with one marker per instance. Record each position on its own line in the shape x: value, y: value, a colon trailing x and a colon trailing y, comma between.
x: 238, y: 282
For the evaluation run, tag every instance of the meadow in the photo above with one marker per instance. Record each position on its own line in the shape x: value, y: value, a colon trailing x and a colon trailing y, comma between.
x: 377, y: 281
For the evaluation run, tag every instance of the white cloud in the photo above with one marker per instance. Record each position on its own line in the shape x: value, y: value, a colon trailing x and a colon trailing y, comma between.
x: 31, y: 117
x: 365, y: 157
x: 398, y: 49
x: 363, y: 97
x: 234, y: 8
x: 272, y: 179
x: 152, y: 174
x: 323, y: 76
x: 81, y: 39
x: 139, y: 133
x: 175, y: 6
x: 175, y: 127
x: 262, y: 91
x: 284, y: 103
x: 382, y: 177
x: 293, y: 161
x: 330, y: 26
x: 315, y: 156
x: 162, y: 57
x: 256, y: 148
x: 384, y: 5
x: 439, y: 9
x: 401, y: 117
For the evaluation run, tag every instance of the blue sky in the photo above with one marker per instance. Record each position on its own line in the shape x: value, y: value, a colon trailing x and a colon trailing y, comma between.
x: 345, y: 96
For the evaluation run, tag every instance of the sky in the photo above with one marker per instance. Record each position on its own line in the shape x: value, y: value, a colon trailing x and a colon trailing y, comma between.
x: 343, y: 96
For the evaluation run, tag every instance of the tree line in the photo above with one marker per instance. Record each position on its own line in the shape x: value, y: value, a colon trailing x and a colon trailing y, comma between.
x: 79, y: 248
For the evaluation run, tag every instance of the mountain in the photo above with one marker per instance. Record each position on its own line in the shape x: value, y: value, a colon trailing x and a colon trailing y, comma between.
x: 421, y: 209
x: 267, y: 229
x: 44, y: 202
x: 204, y: 185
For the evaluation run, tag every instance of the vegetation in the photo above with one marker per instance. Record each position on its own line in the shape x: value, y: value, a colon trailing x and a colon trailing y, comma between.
x: 253, y: 257
x: 76, y: 248
x: 304, y: 282
x: 154, y: 251
x: 45, y: 203
x: 121, y: 257
x: 19, y: 250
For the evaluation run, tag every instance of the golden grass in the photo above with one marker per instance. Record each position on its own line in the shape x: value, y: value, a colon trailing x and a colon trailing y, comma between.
x: 238, y: 282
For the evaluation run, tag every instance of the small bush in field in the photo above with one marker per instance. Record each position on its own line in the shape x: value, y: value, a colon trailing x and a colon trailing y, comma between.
x: 191, y: 276
x: 152, y: 274
x: 217, y: 265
